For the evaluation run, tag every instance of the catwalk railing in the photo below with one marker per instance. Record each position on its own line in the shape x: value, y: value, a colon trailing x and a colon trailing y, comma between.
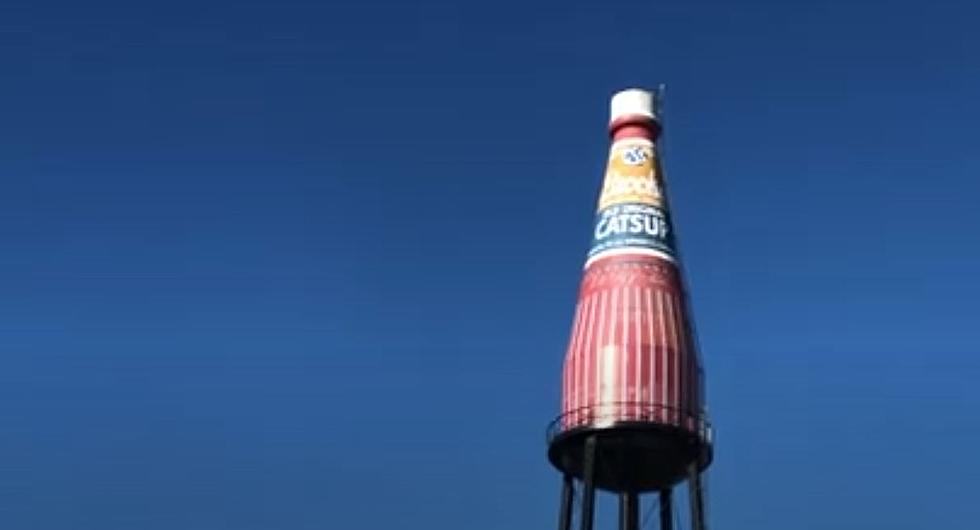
x: 628, y: 413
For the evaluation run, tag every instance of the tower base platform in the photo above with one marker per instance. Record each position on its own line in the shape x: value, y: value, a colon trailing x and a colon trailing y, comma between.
x: 633, y: 456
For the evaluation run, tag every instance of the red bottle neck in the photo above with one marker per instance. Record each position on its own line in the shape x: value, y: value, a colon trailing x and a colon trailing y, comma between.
x: 634, y: 127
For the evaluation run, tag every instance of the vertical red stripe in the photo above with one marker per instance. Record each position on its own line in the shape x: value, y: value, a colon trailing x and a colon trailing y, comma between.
x: 569, y: 359
x: 649, y: 350
x: 573, y: 357
x: 625, y: 342
x: 610, y: 381
x: 601, y: 338
x: 629, y: 343
x: 637, y: 369
x: 587, y: 354
x: 661, y: 363
x: 671, y: 349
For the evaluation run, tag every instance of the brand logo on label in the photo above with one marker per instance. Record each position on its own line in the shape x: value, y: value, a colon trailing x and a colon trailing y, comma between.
x: 631, y: 175
x: 635, y: 156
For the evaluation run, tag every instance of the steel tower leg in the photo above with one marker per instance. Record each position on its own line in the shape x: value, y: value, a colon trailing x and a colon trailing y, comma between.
x: 697, y: 498
x: 567, y: 494
x: 588, y: 483
x: 629, y: 511
x: 666, y: 510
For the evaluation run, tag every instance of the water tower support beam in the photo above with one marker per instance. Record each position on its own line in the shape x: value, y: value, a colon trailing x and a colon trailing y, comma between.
x: 696, y: 498
x: 666, y: 510
x: 567, y: 494
x: 588, y: 483
x: 629, y: 511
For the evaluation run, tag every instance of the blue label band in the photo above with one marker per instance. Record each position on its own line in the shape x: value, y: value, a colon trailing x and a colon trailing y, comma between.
x: 632, y: 225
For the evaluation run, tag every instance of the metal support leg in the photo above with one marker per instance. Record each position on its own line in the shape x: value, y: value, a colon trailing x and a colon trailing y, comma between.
x: 567, y: 494
x: 629, y: 511
x: 666, y: 510
x: 697, y: 498
x: 588, y: 481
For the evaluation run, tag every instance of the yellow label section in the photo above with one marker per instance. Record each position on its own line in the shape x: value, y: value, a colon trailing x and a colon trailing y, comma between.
x: 631, y: 175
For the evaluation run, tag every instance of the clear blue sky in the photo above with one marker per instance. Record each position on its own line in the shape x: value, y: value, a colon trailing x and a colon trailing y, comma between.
x: 280, y: 265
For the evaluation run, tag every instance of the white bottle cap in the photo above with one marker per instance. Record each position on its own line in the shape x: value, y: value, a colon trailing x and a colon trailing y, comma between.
x: 631, y: 102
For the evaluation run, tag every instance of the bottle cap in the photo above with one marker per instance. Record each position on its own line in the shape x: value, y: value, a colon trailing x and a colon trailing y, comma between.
x: 631, y: 102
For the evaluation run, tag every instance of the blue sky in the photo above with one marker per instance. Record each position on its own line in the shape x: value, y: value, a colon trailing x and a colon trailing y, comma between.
x: 313, y: 265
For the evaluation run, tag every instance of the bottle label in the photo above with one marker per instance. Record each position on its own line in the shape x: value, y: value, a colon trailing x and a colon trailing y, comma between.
x: 631, y: 214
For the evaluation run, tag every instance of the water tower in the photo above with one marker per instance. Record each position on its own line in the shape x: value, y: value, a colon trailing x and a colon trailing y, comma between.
x: 633, y: 408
